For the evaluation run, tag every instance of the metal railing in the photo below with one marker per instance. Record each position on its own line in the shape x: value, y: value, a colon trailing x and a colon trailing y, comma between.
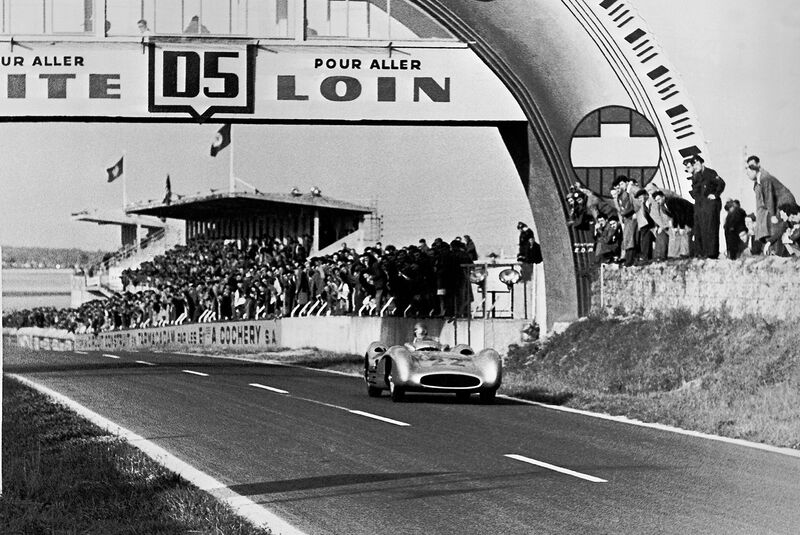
x: 125, y: 253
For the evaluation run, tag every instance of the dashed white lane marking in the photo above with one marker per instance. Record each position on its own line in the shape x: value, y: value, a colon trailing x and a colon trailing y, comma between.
x: 555, y: 468
x: 201, y: 374
x: 187, y: 354
x: 111, y: 356
x: 243, y: 505
x: 81, y: 352
x: 270, y: 388
x: 145, y: 363
x: 332, y: 406
x: 381, y: 418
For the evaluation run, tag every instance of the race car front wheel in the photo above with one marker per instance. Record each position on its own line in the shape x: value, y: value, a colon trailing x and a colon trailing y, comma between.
x: 397, y: 392
x: 487, y: 396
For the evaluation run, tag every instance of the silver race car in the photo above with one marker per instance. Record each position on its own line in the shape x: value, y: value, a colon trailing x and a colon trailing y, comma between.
x: 425, y: 365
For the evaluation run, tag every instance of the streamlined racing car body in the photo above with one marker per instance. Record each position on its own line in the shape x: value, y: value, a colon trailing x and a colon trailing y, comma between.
x: 425, y: 365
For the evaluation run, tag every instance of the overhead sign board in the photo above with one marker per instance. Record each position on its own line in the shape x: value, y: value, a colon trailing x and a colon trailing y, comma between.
x: 163, y: 81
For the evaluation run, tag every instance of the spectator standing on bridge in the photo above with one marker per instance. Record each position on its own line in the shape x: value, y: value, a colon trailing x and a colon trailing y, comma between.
x: 607, y: 236
x: 770, y: 193
x: 735, y: 229
x: 662, y: 224
x: 791, y: 238
x: 775, y: 244
x: 707, y: 186
x: 623, y: 200
x: 644, y: 221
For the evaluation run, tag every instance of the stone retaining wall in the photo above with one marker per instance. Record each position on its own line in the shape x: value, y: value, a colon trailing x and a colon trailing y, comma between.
x: 767, y: 287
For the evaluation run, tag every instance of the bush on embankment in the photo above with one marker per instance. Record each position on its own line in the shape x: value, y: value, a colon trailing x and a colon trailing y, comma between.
x: 711, y: 373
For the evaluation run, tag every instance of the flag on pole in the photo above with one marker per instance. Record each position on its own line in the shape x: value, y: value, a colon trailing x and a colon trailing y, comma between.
x: 115, y: 171
x: 168, y: 194
x: 222, y: 140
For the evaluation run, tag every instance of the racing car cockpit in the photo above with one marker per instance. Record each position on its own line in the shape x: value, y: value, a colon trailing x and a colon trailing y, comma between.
x: 423, y: 342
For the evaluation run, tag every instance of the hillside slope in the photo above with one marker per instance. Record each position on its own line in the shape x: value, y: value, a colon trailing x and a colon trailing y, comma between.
x: 733, y: 377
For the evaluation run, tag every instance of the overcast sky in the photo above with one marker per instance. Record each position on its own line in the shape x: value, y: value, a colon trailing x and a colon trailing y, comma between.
x: 736, y: 57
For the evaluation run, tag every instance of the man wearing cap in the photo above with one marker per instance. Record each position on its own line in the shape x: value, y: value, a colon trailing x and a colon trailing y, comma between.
x: 707, y: 186
x: 770, y: 193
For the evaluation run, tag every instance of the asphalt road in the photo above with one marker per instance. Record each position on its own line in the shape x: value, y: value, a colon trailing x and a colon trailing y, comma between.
x: 295, y: 445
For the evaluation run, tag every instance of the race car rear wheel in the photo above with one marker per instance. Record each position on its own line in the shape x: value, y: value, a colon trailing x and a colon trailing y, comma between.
x: 397, y: 392
x: 488, y: 396
x: 374, y: 391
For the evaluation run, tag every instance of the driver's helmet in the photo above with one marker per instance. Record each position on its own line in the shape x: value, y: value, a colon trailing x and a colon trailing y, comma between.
x: 422, y: 340
x: 420, y: 330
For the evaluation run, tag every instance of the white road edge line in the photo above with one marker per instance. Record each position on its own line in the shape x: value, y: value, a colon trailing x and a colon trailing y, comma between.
x: 243, y: 505
x: 201, y: 374
x: 81, y: 352
x: 661, y: 427
x: 111, y: 356
x: 381, y: 418
x: 555, y: 468
x: 145, y: 363
x: 270, y: 388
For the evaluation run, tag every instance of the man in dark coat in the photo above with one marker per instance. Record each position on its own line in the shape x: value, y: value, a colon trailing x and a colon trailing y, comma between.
x: 608, y: 236
x: 734, y: 226
x: 770, y: 193
x: 707, y: 186
x: 623, y: 200
x: 530, y: 252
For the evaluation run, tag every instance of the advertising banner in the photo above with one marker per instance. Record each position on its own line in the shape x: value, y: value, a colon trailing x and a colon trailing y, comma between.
x: 248, y: 82
x: 252, y: 334
x: 49, y: 339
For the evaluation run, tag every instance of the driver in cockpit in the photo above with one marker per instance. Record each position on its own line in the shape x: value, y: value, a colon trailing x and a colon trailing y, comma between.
x: 422, y: 340
x: 421, y: 333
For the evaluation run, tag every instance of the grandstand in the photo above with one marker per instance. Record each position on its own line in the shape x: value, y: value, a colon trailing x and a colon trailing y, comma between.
x: 246, y: 215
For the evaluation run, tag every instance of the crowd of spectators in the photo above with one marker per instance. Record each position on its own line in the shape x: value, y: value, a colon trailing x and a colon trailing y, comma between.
x: 219, y: 280
x: 652, y: 224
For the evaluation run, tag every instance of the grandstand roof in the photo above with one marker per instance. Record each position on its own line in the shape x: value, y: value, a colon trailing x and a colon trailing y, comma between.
x: 116, y: 217
x: 239, y: 203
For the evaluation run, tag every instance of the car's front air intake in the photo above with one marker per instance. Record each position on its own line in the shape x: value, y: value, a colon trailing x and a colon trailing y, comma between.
x: 450, y: 380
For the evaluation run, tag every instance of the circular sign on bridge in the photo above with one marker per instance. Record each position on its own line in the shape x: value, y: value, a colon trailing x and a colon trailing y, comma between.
x: 613, y: 141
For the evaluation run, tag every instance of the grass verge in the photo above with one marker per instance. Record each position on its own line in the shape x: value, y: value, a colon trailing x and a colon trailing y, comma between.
x: 737, y: 378
x: 63, y: 474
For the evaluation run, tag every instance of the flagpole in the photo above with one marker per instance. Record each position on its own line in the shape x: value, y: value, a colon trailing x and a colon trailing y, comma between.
x: 125, y: 167
x: 231, y: 179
